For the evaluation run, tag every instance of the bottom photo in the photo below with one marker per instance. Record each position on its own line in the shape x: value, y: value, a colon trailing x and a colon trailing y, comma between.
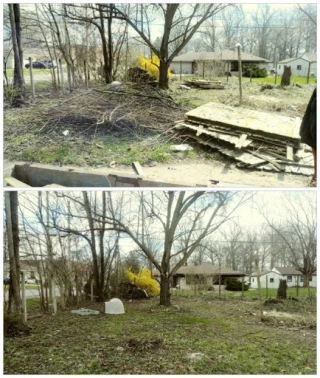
x: 160, y: 282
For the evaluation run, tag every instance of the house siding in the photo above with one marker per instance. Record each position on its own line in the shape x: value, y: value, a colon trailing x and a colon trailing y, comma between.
x: 186, y: 67
x: 276, y: 279
x: 269, y: 276
x: 294, y: 67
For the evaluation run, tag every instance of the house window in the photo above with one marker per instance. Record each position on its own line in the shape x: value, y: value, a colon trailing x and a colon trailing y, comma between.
x: 271, y: 280
x: 299, y: 67
x: 195, y: 279
x: 279, y: 67
x: 289, y: 278
x: 301, y: 278
x: 310, y: 278
x: 252, y: 279
x: 189, y: 280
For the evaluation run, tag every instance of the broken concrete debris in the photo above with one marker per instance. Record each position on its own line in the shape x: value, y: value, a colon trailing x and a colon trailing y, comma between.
x: 204, y: 84
x: 258, y: 140
x: 181, y: 147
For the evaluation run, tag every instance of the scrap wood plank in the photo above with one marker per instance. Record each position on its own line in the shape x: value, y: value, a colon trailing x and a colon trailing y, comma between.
x: 274, y: 125
x: 229, y: 130
x: 217, y: 135
x: 199, y: 131
x: 295, y: 164
x: 247, y: 158
x: 54, y: 186
x: 241, y: 140
x: 269, y: 160
x: 289, y: 153
x: 137, y: 168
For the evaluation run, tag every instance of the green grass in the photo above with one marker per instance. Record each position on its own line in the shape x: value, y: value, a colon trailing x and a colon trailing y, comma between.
x: 293, y: 80
x: 263, y: 80
x: 26, y: 72
x: 272, y: 293
x: 33, y: 302
x: 35, y: 71
x: 231, y: 339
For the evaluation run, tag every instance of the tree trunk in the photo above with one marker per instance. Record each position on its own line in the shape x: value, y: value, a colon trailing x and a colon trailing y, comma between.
x: 14, y: 289
x: 285, y: 79
x: 165, y: 290
x: 18, y: 80
x: 106, y: 54
x: 282, y: 290
x: 305, y: 280
x: 163, y: 77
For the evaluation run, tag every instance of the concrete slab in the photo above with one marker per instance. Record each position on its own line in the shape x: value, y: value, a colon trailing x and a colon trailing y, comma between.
x: 41, y: 175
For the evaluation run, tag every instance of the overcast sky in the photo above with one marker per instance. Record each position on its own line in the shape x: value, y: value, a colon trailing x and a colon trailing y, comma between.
x: 248, y: 215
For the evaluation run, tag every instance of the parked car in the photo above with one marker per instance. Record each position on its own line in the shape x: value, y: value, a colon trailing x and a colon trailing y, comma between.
x: 49, y: 63
x: 37, y: 64
x: 31, y: 281
x: 6, y: 280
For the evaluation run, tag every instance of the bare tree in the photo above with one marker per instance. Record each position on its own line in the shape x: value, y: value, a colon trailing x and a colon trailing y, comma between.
x: 12, y: 225
x: 195, y: 215
x: 18, y: 79
x: 298, y: 230
x: 190, y: 16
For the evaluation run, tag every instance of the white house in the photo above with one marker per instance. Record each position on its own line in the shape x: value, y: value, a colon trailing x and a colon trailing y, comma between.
x: 205, y: 274
x: 272, y: 278
x: 187, y: 63
x: 8, y: 58
x: 299, y: 66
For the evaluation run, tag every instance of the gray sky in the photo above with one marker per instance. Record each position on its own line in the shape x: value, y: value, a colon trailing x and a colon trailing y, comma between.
x: 248, y: 215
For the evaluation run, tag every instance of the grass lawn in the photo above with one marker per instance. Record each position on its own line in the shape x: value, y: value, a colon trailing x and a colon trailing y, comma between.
x: 35, y: 71
x: 271, y: 293
x: 195, y: 336
x: 293, y: 80
x: 263, y: 80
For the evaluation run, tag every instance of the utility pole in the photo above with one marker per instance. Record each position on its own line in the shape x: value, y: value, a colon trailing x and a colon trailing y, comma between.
x: 240, y: 71
x: 259, y: 287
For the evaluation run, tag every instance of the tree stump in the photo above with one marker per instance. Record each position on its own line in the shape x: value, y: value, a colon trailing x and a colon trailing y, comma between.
x: 282, y: 289
x: 285, y: 78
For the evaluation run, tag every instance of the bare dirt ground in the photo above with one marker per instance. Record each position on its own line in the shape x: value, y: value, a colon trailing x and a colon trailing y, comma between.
x: 227, y: 175
x: 108, y: 132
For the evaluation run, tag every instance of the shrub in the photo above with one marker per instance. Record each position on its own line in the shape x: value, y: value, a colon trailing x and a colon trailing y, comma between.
x: 151, y: 65
x: 254, y: 70
x: 235, y: 285
x: 144, y: 281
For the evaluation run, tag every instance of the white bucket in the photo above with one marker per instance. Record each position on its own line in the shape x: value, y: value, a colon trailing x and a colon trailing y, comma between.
x: 114, y: 306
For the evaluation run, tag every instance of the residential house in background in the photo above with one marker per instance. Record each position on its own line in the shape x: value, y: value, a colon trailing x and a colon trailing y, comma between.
x: 29, y: 267
x: 228, y: 60
x: 8, y: 58
x: 272, y: 278
x: 206, y: 275
x: 300, y: 66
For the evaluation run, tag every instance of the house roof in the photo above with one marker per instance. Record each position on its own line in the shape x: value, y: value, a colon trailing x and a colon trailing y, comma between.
x: 265, y: 272
x: 226, y: 55
x: 208, y: 269
x: 307, y: 56
x: 24, y: 265
x: 312, y: 57
x: 291, y: 271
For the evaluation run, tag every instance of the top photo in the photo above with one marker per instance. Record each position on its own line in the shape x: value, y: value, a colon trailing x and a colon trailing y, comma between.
x: 159, y: 95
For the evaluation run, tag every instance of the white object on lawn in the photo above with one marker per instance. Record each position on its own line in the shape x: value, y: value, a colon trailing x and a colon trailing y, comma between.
x: 114, y: 307
x: 85, y: 311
